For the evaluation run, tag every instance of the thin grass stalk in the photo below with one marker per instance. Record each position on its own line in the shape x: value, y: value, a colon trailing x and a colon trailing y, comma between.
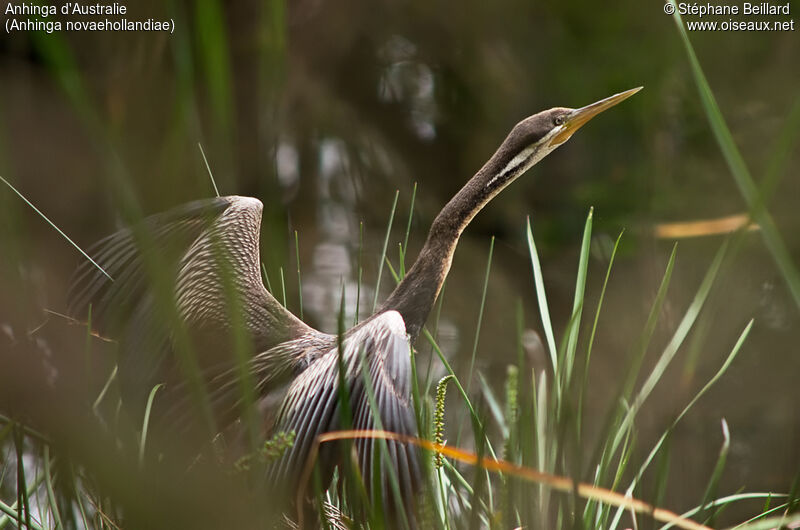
x: 146, y: 421
x: 577, y: 303
x: 661, y: 477
x: 643, y: 342
x: 731, y: 356
x: 101, y: 396
x: 299, y: 281
x: 401, y: 261
x: 473, y: 415
x: 719, y: 467
x: 481, y: 481
x: 383, y: 252
x: 767, y: 512
x: 208, y: 168
x: 78, y: 500
x: 542, y: 442
x: 585, y: 382
x: 785, y: 145
x: 729, y: 500
x: 265, y: 274
x: 283, y: 287
x: 51, y: 495
x: 495, y: 408
x: 614, y: 421
x: 683, y: 328
x: 57, y: 229
x: 410, y: 218
x: 544, y: 311
x: 87, y: 347
x: 437, y: 313
x: 384, y: 450
x: 741, y: 174
x: 480, y: 314
x: 554, y: 482
x: 771, y: 523
x: 23, y: 495
x: 12, y: 514
x: 350, y: 467
x: 360, y: 270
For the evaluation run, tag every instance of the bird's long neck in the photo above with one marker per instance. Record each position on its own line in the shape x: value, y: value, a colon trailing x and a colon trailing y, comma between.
x: 414, y: 297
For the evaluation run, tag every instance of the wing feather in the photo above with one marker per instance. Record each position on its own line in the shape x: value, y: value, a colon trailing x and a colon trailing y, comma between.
x: 379, y: 349
x: 198, y: 262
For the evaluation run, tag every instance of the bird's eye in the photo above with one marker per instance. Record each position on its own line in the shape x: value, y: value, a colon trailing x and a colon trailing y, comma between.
x: 558, y: 120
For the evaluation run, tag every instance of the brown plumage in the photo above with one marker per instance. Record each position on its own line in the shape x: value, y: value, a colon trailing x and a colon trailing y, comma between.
x: 188, y: 307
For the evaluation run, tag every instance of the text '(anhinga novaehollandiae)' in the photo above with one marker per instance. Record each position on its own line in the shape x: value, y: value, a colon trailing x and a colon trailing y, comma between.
x: 188, y: 307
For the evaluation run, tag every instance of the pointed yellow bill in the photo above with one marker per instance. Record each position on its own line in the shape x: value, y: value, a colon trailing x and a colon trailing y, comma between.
x: 578, y: 117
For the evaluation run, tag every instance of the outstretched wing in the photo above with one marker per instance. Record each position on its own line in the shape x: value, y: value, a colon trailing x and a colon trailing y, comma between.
x: 125, y: 256
x: 206, y: 249
x: 196, y: 267
x: 377, y: 375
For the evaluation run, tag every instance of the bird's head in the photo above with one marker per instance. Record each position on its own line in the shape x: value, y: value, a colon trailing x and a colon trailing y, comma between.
x: 536, y: 136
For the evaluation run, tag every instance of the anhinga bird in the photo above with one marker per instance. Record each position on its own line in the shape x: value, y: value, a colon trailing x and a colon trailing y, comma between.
x: 203, y: 260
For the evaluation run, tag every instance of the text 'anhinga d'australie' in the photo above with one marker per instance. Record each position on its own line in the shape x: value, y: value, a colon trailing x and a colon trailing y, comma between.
x: 210, y: 251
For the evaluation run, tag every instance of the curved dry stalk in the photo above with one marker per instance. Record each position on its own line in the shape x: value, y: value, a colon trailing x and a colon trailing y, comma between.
x: 556, y: 482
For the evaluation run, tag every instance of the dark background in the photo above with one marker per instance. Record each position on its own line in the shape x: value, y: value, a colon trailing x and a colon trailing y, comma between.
x: 323, y: 109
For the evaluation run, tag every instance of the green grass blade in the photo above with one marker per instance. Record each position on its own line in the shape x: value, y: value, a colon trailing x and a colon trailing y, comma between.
x: 208, y: 168
x: 23, y: 494
x: 585, y: 383
x: 652, y: 319
x: 672, y: 347
x: 730, y: 499
x: 111, y: 377
x: 577, y: 304
x: 719, y: 467
x: 739, y: 170
x: 683, y: 328
x: 607, y: 444
x: 473, y: 415
x: 437, y: 313
x: 79, y: 501
x: 494, y: 406
x: 395, y: 275
x: 542, y: 300
x: 360, y: 270
x: 410, y: 217
x: 401, y: 260
x: 266, y: 277
x: 299, y: 281
x: 51, y: 495
x: 782, y: 521
x: 11, y: 514
x: 394, y: 483
x: 146, y: 422
x: 480, y: 314
x: 724, y: 368
x: 542, y: 441
x: 767, y: 510
x: 283, y: 286
x: 782, y: 152
x: 676, y: 341
x: 383, y: 252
